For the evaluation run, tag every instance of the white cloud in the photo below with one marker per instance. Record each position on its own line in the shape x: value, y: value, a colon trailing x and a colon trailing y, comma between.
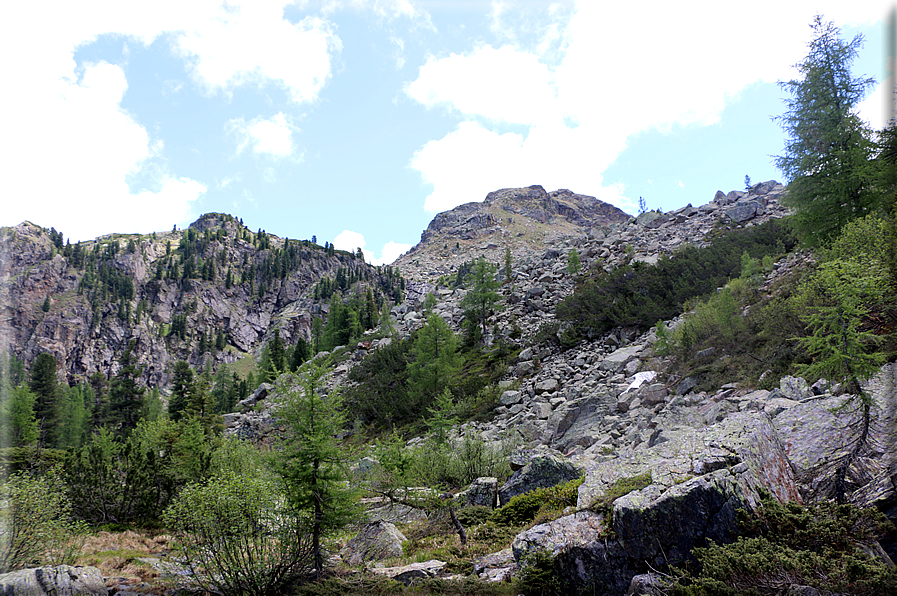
x: 681, y: 185
x: 502, y: 85
x: 352, y: 241
x: 72, y: 150
x: 875, y: 109
x: 272, y: 136
x: 250, y: 42
x: 605, y: 73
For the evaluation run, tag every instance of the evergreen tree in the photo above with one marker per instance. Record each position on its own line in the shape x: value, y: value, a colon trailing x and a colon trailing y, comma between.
x: 311, y: 463
x: 46, y: 305
x: 436, y: 360
x: 481, y: 299
x: 573, y: 264
x: 47, y: 405
x: 18, y: 411
x: 828, y: 149
x: 299, y: 355
x: 181, y: 388
x: 125, y: 396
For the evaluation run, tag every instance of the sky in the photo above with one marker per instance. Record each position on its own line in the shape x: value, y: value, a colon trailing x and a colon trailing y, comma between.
x: 357, y: 121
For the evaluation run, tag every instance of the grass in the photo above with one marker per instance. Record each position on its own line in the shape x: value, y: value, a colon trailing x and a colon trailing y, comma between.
x: 117, y: 554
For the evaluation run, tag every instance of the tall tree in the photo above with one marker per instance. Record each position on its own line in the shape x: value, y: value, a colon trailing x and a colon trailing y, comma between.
x: 47, y: 404
x: 181, y: 387
x: 435, y: 359
x: 481, y: 299
x: 125, y: 396
x: 311, y: 463
x: 828, y: 150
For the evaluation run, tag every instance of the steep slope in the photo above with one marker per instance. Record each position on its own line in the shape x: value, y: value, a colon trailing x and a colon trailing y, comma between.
x: 215, y: 290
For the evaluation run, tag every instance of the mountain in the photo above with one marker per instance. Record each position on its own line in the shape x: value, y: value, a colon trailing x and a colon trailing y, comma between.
x: 524, y: 220
x: 213, y: 291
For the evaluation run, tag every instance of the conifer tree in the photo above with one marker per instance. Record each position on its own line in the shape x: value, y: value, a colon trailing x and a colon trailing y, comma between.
x: 47, y: 405
x: 827, y: 155
x: 311, y: 463
x: 481, y: 299
x: 125, y: 396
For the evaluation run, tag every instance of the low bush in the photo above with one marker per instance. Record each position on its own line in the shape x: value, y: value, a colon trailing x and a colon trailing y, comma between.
x: 36, y: 525
x: 239, y: 536
x: 620, y: 488
x: 638, y: 295
x: 539, y: 505
x: 826, y: 546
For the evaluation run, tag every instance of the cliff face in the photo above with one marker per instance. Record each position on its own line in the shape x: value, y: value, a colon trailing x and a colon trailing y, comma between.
x: 239, y: 287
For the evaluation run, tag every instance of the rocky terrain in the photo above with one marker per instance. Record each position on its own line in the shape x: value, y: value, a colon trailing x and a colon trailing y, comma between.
x: 87, y: 329
x: 607, y: 408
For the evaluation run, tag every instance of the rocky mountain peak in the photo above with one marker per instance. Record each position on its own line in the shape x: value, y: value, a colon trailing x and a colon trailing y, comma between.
x: 524, y: 220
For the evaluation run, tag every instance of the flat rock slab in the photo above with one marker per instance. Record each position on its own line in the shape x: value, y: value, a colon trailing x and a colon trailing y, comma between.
x: 408, y: 574
x: 64, y: 580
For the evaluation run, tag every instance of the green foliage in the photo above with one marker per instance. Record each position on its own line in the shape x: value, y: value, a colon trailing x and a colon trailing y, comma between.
x: 241, y: 536
x: 828, y: 151
x: 620, y: 488
x: 125, y: 395
x: 539, y: 505
x: 311, y: 463
x: 47, y: 405
x: 133, y: 479
x: 824, y: 546
x: 538, y: 576
x: 481, y: 299
x: 18, y: 412
x: 435, y: 360
x: 36, y: 527
x: 574, y: 265
x: 638, y: 295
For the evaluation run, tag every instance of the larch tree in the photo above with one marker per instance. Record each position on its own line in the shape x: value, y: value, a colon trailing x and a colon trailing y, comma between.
x: 311, y: 462
x: 828, y: 149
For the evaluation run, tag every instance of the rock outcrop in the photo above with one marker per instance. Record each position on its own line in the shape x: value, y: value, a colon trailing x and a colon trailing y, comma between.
x: 63, y: 580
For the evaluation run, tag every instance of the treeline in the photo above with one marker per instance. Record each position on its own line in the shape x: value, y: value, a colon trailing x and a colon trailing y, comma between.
x: 638, y: 295
x: 45, y: 414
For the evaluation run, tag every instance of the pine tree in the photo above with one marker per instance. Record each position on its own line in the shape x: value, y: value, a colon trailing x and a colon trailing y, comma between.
x: 311, y: 463
x: 827, y: 155
x: 436, y: 360
x: 47, y: 405
x: 181, y: 388
x: 481, y: 299
x: 125, y: 396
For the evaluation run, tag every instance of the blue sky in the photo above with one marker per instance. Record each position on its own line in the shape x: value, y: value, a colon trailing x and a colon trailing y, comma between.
x: 356, y: 121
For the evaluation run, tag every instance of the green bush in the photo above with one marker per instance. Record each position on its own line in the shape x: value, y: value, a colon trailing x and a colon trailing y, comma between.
x: 457, y: 464
x: 239, y: 536
x: 36, y: 525
x: 824, y: 546
x: 620, y: 488
x: 539, y: 505
x: 538, y: 577
x: 638, y: 295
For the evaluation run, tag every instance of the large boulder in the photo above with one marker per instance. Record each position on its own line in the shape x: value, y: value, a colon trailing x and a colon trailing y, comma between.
x: 63, y: 580
x: 699, y: 479
x: 376, y: 541
x: 481, y: 492
x: 543, y: 470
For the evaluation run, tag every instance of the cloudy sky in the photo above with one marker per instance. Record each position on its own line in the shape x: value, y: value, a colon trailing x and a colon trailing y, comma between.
x: 356, y: 121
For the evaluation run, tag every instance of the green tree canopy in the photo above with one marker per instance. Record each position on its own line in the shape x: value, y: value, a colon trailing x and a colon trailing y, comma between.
x: 481, y: 299
x: 828, y: 150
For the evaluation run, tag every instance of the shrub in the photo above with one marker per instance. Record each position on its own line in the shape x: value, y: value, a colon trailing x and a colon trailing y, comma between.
x: 823, y: 546
x: 538, y: 577
x: 36, y: 525
x: 637, y: 295
x: 620, y: 488
x: 239, y: 536
x: 540, y: 505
